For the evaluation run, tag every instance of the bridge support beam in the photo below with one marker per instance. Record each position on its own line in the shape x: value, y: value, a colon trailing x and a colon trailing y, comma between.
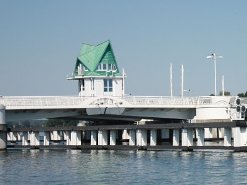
x: 141, y: 137
x: 153, y: 137
x: 187, y: 137
x: 175, y: 139
x: 93, y: 139
x: 3, y: 129
x: 34, y: 139
x: 200, y: 136
x: 113, y: 136
x: 227, y: 136
x: 132, y: 137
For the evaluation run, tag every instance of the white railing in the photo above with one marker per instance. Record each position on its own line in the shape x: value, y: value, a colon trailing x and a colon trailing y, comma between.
x: 25, y: 102
x: 41, y: 101
x: 166, y: 100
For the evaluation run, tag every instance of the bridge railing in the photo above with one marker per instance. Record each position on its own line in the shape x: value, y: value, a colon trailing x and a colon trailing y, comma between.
x: 77, y: 102
x: 41, y: 101
x: 166, y: 100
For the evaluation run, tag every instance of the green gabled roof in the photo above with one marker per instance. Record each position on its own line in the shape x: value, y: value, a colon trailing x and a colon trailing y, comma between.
x: 91, y: 56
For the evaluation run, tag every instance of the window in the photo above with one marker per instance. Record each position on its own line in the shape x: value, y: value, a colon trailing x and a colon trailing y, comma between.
x: 107, y: 85
x: 109, y: 67
x: 84, y: 68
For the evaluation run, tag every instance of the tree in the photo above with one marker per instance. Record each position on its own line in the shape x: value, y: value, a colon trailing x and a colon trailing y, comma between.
x: 242, y: 94
x: 226, y: 93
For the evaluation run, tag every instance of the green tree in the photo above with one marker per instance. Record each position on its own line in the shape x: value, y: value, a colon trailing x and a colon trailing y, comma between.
x: 242, y: 94
x: 226, y: 93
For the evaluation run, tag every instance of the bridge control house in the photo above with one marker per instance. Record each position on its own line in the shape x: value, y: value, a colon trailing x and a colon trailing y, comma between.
x: 97, y: 71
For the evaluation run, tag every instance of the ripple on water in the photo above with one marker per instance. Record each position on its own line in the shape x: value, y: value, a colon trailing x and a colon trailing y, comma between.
x: 121, y: 167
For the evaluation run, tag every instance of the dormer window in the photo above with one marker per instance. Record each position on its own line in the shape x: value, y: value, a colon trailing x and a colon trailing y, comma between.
x: 84, y: 68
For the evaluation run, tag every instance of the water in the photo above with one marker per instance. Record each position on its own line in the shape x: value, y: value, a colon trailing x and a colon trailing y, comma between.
x: 121, y: 167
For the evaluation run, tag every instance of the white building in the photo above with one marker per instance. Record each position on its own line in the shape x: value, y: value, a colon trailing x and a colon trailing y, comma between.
x: 97, y: 71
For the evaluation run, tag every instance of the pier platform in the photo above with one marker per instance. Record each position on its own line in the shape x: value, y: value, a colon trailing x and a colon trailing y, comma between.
x: 229, y: 136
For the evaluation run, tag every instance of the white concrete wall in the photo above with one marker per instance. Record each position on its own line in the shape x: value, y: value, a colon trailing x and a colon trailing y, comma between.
x: 117, y: 87
x: 211, y: 113
x: 99, y: 87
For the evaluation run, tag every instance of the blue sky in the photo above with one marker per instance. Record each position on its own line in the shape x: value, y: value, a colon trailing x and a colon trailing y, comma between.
x: 40, y: 40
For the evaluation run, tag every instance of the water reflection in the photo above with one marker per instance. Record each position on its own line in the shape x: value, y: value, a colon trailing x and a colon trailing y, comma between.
x: 121, y: 167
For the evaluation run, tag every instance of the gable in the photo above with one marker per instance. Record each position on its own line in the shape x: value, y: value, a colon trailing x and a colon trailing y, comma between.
x: 92, y: 56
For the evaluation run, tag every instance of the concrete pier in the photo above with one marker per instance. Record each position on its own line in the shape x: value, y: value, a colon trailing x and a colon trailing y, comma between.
x: 132, y: 137
x: 200, y: 136
x: 102, y: 137
x: 113, y: 137
x: 24, y: 139
x: 47, y: 139
x: 175, y: 139
x: 34, y: 138
x: 93, y: 137
x: 75, y: 138
x: 187, y: 137
x: 153, y: 137
x: 3, y: 129
x: 141, y: 137
x: 227, y: 136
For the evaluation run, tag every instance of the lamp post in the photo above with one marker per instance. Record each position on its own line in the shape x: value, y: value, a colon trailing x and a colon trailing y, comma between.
x: 214, y: 57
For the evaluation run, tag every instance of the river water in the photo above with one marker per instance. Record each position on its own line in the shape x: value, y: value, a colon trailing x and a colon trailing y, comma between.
x: 122, y: 167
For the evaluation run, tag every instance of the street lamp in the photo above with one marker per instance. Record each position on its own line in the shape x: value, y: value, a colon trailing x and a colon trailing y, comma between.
x: 214, y: 57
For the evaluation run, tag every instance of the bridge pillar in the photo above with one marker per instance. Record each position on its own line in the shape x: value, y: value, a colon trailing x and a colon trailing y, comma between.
x: 3, y: 129
x: 187, y: 137
x: 11, y: 136
x: 227, y: 136
x: 125, y: 134
x: 240, y: 136
x: 24, y: 139
x: 175, y: 140
x: 67, y: 137
x: 93, y: 137
x: 34, y: 138
x: 75, y: 138
x: 200, y: 136
x: 221, y: 132
x: 55, y: 136
x: 46, y: 138
x: 153, y: 137
x: 132, y: 137
x: 113, y: 136
x: 141, y: 137
x: 208, y: 133
x: 102, y: 137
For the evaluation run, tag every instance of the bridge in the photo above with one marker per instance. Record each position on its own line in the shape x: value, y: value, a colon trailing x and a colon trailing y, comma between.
x: 101, y: 97
x: 122, y: 108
